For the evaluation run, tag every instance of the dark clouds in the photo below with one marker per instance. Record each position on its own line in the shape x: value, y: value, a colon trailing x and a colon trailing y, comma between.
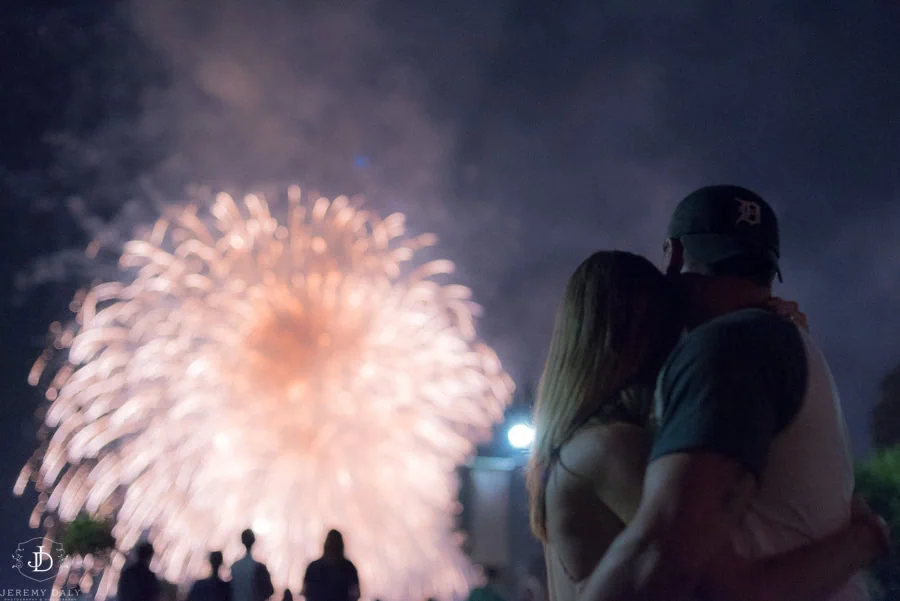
x: 527, y: 135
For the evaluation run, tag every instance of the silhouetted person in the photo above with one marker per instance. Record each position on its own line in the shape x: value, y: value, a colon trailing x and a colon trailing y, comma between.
x: 212, y: 588
x: 332, y: 577
x: 250, y: 579
x: 137, y: 582
x: 489, y: 591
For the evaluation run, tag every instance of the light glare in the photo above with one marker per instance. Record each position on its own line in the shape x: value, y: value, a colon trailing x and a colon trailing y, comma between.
x: 521, y: 436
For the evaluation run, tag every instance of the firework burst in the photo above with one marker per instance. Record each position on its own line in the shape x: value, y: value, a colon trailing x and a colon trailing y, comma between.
x: 289, y: 376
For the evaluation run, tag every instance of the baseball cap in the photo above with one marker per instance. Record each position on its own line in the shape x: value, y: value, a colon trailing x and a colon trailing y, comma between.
x: 716, y: 223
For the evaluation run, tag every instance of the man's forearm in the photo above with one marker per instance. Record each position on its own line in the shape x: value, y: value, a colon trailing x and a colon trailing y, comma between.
x: 632, y: 570
x: 691, y: 503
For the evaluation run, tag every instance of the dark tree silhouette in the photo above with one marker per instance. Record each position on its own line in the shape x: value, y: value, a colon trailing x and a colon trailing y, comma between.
x: 886, y: 415
x: 878, y: 481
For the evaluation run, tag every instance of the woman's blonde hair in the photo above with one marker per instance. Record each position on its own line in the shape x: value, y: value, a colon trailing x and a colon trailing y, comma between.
x: 616, y: 325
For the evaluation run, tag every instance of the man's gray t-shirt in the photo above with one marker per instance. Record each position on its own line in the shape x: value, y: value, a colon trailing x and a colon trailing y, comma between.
x: 730, y: 386
x: 753, y: 387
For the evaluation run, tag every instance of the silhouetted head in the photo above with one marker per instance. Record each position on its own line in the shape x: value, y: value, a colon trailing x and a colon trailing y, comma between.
x: 724, y: 231
x: 288, y: 595
x: 617, y: 323
x: 334, y: 545
x: 144, y: 553
x: 216, y: 560
x: 491, y: 574
x: 248, y: 538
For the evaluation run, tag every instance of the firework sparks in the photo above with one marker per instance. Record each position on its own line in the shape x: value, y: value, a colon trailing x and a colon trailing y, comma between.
x: 287, y: 376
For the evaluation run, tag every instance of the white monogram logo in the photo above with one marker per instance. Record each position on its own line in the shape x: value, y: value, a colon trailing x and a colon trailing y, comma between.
x: 48, y: 558
x: 40, y: 565
x: 749, y: 212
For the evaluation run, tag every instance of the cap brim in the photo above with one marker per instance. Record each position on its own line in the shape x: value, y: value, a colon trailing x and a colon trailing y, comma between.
x: 712, y: 248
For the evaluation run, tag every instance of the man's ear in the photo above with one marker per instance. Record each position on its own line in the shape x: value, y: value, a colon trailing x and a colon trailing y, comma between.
x: 673, y: 256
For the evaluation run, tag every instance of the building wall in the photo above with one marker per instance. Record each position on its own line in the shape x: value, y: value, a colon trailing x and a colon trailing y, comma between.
x: 495, y: 520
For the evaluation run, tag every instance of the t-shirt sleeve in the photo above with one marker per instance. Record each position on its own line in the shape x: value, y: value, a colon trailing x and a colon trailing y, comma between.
x: 729, y: 387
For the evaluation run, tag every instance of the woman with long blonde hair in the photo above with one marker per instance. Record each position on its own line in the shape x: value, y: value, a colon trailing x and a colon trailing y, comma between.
x: 617, y: 323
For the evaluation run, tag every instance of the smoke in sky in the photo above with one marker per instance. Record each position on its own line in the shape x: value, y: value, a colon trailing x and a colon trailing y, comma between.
x: 526, y: 136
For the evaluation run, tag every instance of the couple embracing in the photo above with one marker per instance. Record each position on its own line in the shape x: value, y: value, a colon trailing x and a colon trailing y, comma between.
x: 690, y: 442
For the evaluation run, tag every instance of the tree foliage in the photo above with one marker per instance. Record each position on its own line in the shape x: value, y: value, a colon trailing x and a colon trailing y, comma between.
x: 87, y: 535
x: 878, y: 481
x: 886, y: 415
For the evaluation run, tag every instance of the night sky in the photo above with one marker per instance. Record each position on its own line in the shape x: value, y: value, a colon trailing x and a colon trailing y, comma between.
x: 526, y: 135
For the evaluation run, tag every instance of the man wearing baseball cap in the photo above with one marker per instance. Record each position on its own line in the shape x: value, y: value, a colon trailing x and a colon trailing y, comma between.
x: 751, y: 451
x: 720, y: 227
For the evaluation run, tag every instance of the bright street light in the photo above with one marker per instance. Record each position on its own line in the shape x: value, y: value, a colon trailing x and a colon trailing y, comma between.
x: 520, y: 436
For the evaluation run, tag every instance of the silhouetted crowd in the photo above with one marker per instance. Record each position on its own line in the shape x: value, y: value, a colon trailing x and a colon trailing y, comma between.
x: 332, y: 577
